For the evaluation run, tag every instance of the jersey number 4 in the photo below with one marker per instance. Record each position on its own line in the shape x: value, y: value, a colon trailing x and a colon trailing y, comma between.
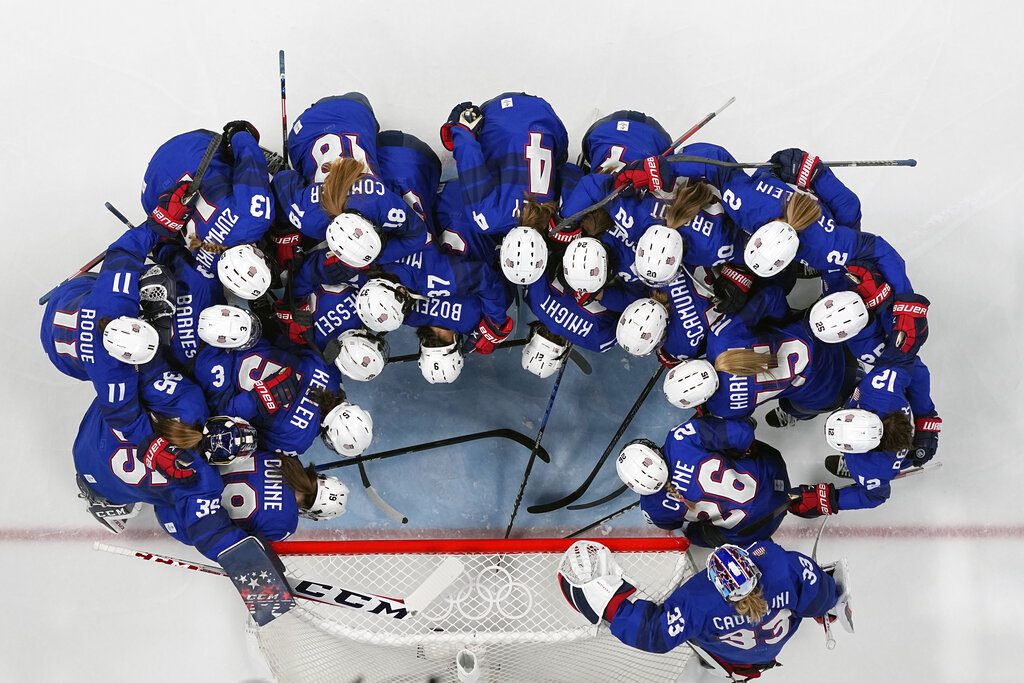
x: 540, y: 160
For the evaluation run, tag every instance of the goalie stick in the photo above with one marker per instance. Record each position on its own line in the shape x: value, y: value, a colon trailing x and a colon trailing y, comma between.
x: 582, y: 489
x: 188, y: 200
x: 443, y: 576
x: 535, y: 449
x: 511, y: 434
x: 566, y: 222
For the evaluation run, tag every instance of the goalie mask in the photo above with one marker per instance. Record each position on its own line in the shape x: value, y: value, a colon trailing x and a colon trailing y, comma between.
x: 585, y: 265
x: 771, y: 248
x: 362, y: 355
x: 347, y: 430
x: 354, y: 240
x: 732, y: 572
x: 838, y: 317
x: 853, y: 430
x: 690, y: 383
x: 441, y: 364
x: 330, y: 501
x: 541, y: 356
x: 659, y: 255
x: 226, y: 438
x: 642, y: 327
x: 229, y: 327
x: 244, y: 272
x: 131, y: 340
x: 524, y: 255
x: 382, y: 304
x: 642, y: 467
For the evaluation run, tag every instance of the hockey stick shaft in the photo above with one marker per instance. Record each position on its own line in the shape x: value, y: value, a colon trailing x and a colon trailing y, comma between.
x: 511, y: 434
x: 377, y: 500
x: 768, y: 164
x: 565, y: 222
x: 410, y: 357
x: 193, y: 187
x: 117, y: 214
x: 626, y: 421
x: 284, y: 109
x: 534, y: 451
x: 604, y: 519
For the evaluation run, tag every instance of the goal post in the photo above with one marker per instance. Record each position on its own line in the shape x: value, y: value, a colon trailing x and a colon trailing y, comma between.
x: 499, y: 617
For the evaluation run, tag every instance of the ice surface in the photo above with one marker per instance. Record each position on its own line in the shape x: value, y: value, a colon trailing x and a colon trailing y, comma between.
x: 91, y: 89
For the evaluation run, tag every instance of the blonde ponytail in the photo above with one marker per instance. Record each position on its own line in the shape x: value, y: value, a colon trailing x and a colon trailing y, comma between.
x: 687, y: 203
x: 745, y: 362
x: 336, y: 186
x: 801, y: 211
x: 754, y: 607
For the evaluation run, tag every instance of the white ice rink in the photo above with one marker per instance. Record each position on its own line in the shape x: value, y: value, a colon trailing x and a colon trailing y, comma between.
x: 91, y: 89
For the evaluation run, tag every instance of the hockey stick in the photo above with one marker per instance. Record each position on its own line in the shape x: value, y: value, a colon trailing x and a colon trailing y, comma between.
x: 768, y: 164
x: 396, y: 608
x: 284, y: 110
x: 582, y: 489
x: 511, y: 434
x: 188, y: 199
x: 120, y: 216
x: 603, y: 519
x: 565, y: 222
x: 376, y: 499
x: 536, y: 449
x: 830, y: 640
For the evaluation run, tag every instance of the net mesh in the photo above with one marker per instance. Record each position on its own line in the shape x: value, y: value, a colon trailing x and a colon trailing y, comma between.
x: 505, y: 609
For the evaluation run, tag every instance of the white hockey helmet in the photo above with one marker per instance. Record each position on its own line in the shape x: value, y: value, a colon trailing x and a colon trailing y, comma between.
x: 838, y: 317
x: 541, y: 356
x: 585, y: 265
x: 331, y: 499
x: 690, y: 383
x: 353, y: 239
x: 362, y: 355
x: 441, y: 364
x: 381, y: 304
x: 642, y: 467
x: 659, y: 255
x: 771, y: 248
x: 243, y: 270
x: 347, y: 430
x: 131, y: 340
x: 228, y: 327
x: 853, y: 430
x: 642, y: 327
x: 524, y: 255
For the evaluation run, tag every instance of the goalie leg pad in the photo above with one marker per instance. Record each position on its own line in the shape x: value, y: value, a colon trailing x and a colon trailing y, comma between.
x: 259, y: 580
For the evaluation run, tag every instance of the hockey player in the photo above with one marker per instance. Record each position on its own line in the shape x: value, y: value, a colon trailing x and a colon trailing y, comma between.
x: 235, y: 205
x: 452, y: 302
x: 755, y: 356
x: 739, y: 614
x: 711, y: 478
x: 336, y: 190
x: 289, y: 398
x: 876, y: 430
x: 511, y: 149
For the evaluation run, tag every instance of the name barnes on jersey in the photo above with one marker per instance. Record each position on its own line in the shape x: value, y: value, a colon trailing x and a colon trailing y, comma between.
x: 184, y: 320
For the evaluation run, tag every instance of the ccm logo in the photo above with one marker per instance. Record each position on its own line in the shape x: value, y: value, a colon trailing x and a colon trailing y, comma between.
x: 910, y: 309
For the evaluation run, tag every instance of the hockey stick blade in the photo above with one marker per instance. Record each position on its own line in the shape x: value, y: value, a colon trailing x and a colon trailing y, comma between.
x: 582, y: 363
x: 573, y: 496
x: 443, y: 576
x: 600, y: 501
x: 377, y: 500
x: 604, y: 519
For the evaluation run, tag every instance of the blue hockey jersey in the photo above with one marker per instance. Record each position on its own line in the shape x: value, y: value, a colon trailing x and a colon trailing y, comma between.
x: 730, y: 491
x: 411, y: 169
x: 690, y: 314
x: 793, y: 584
x: 194, y: 292
x: 591, y: 327
x: 109, y: 464
x: 621, y: 137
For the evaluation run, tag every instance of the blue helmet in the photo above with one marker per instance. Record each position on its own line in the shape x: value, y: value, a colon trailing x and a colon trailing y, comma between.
x: 733, y: 572
x: 227, y: 438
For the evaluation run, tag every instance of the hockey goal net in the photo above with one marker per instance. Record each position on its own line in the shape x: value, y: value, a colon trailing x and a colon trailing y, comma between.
x: 502, y: 619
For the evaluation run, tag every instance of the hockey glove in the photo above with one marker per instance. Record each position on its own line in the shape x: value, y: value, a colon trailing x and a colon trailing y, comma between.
x: 652, y: 174
x: 815, y: 500
x: 233, y: 127
x: 275, y: 162
x: 909, y: 327
x: 565, y: 237
x: 288, y: 251
x: 667, y: 359
x: 705, y: 534
x: 796, y: 167
x: 158, y: 455
x: 276, y: 392
x: 170, y: 214
x: 295, y: 328
x: 870, y: 284
x: 598, y: 599
x: 157, y: 293
x: 926, y: 439
x: 488, y: 335
x: 464, y: 115
x: 732, y: 288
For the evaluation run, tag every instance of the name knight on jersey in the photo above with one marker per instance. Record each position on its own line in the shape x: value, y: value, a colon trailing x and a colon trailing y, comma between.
x: 561, y: 315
